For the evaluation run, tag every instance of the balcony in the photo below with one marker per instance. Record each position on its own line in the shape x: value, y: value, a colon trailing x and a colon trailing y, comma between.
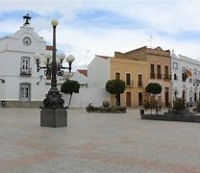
x: 167, y: 76
x: 159, y: 76
x: 152, y: 75
x: 25, y: 72
x: 196, y: 81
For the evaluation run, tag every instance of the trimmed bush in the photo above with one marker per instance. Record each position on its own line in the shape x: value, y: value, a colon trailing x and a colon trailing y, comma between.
x: 105, y: 103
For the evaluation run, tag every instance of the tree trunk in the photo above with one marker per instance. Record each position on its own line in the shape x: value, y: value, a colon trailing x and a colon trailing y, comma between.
x: 117, y: 99
x: 70, y: 97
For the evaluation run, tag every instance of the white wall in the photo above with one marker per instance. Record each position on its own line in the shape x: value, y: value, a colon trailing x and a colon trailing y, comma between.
x: 86, y: 96
x: 188, y: 85
x: 11, y: 51
x: 82, y: 79
x: 98, y: 72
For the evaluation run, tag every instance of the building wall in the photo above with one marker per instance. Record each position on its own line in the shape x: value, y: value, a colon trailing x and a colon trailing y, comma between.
x: 159, y: 57
x: 191, y: 86
x: 12, y: 50
x: 86, y: 96
x: 98, y: 72
x: 82, y: 79
x: 125, y: 66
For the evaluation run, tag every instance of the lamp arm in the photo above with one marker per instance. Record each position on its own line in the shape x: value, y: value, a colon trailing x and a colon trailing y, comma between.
x: 69, y: 68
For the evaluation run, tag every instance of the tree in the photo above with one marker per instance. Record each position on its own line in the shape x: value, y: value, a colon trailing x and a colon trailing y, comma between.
x: 153, y: 88
x: 115, y: 87
x: 70, y: 87
x: 150, y: 102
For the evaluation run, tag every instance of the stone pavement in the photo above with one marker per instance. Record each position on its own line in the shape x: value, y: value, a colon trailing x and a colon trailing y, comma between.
x: 97, y: 143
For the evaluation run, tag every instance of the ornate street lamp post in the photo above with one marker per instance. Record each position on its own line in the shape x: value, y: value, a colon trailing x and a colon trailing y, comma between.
x: 53, y: 113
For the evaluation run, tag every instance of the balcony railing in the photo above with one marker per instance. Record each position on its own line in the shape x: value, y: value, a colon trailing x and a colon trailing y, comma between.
x: 152, y: 75
x: 25, y: 72
x: 159, y: 76
x: 196, y: 81
x: 167, y: 76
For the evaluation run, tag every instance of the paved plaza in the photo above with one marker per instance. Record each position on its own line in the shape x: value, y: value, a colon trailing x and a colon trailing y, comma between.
x: 97, y: 143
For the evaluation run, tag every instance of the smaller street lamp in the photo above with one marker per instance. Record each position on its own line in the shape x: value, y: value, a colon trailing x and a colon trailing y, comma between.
x: 53, y: 113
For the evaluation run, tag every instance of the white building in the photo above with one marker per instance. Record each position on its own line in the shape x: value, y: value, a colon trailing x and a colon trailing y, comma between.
x: 20, y: 82
x: 185, y: 78
x: 92, y: 83
x: 99, y: 72
x: 22, y: 86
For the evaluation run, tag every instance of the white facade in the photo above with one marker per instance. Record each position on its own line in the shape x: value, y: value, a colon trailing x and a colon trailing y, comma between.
x: 20, y: 81
x: 19, y: 78
x: 92, y: 88
x: 98, y: 72
x: 81, y: 78
x: 185, y: 78
x: 86, y: 96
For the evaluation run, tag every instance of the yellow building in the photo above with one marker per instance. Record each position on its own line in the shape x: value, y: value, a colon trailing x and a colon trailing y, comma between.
x: 138, y: 68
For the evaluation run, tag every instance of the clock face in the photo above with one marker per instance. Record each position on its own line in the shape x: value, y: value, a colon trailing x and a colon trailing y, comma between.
x: 27, y: 41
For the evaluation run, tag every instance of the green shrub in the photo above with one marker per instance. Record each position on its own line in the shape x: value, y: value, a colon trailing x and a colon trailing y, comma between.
x: 150, y: 103
x: 179, y: 105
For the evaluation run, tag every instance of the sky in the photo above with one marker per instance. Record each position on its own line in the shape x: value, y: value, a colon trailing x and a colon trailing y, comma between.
x: 101, y: 27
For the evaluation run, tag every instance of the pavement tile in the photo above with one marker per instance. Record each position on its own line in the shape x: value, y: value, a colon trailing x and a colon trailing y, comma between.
x: 96, y: 143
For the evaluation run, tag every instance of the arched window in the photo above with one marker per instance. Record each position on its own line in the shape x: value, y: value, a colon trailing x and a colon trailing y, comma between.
x: 128, y: 79
x: 117, y: 75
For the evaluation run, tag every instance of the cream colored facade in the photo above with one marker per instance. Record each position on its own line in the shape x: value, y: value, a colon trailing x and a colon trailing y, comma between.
x: 134, y: 73
x: 140, y: 67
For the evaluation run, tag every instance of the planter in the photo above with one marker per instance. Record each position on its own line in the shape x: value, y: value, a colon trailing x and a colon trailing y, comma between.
x: 117, y: 109
x: 105, y: 103
x: 172, y: 117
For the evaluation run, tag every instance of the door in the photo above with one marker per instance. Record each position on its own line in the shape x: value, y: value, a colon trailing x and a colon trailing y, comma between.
x: 128, y: 99
x: 166, y: 96
x: 140, y: 99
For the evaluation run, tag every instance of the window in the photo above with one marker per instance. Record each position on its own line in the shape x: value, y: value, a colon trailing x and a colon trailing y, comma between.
x: 175, y: 65
x: 152, y: 74
x: 128, y: 79
x: 25, y: 66
x: 24, y: 92
x: 158, y: 71
x: 140, y: 99
x: 190, y: 92
x: 117, y: 75
x: 183, y: 76
x: 175, y: 77
x: 166, y: 72
x: 139, y: 80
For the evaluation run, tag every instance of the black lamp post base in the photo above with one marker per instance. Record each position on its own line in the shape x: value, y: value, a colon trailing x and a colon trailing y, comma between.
x: 53, y: 117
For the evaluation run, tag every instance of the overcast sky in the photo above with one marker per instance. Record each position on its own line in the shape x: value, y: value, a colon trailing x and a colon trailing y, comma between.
x: 102, y: 27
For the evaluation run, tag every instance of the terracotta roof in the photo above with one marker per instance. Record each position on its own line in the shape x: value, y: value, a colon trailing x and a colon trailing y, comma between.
x: 84, y: 72
x: 49, y: 47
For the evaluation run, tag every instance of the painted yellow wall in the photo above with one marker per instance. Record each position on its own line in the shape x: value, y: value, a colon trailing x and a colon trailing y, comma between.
x: 134, y: 67
x: 139, y: 61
